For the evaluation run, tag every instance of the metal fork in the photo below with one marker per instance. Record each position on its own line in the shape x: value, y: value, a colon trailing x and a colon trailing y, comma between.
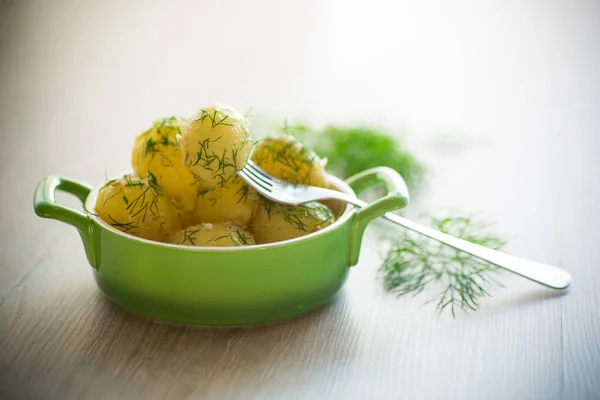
x: 281, y: 191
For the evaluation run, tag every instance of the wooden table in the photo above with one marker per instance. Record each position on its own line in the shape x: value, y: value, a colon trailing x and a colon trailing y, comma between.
x: 500, y: 100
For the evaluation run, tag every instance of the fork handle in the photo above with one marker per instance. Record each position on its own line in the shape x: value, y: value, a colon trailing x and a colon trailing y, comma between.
x: 547, y: 275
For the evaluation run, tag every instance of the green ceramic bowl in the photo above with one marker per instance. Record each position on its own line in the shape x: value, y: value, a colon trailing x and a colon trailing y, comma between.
x: 223, y: 286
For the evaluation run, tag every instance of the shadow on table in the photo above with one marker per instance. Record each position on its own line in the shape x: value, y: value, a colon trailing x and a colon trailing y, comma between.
x: 224, y: 361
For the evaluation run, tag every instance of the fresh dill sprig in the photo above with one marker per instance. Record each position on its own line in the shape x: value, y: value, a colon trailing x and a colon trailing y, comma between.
x: 415, y: 263
x: 350, y: 150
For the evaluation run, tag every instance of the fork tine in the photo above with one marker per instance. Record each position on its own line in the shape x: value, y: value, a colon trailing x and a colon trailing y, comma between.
x: 262, y: 174
x: 254, y: 182
x: 251, y: 164
x: 269, y: 181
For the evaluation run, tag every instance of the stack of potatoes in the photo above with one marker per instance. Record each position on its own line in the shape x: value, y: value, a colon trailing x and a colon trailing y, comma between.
x: 185, y: 189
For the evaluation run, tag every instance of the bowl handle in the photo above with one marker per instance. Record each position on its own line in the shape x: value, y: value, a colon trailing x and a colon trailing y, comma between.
x: 397, y: 197
x: 45, y: 206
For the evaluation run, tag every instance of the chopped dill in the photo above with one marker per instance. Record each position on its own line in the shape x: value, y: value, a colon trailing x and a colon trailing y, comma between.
x: 214, y: 120
x: 141, y: 204
x: 296, y: 215
x: 239, y: 238
x: 189, y: 236
x: 243, y: 193
x: 211, y: 161
x: 219, y: 164
x: 146, y: 201
x: 110, y: 197
x: 125, y: 227
x: 108, y: 183
x: 199, y: 179
x: 152, y: 178
x: 161, y: 136
x: 130, y: 183
x: 202, y: 191
x: 217, y: 238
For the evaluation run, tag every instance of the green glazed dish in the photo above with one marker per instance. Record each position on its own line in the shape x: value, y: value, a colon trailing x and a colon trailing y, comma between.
x: 227, y: 286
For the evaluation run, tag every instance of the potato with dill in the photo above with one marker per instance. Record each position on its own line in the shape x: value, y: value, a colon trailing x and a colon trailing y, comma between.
x: 215, y: 144
x: 235, y: 201
x: 157, y: 152
x: 220, y: 234
x: 274, y: 222
x: 284, y: 157
x: 138, y: 207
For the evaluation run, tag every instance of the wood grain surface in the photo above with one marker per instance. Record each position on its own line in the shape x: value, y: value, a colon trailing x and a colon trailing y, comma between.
x: 499, y: 99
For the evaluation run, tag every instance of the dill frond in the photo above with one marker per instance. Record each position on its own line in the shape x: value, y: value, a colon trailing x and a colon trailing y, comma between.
x: 350, y: 150
x: 415, y: 263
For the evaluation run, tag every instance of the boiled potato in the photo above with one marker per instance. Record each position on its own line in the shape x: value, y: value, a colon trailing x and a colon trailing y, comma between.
x: 137, y: 206
x: 274, y: 222
x: 284, y: 157
x: 235, y: 201
x: 220, y: 234
x: 215, y: 145
x: 157, y: 152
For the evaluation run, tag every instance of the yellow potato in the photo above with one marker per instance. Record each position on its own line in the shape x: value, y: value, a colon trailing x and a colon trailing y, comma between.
x: 138, y: 207
x: 284, y: 157
x: 274, y: 222
x: 235, y: 201
x: 215, y: 144
x: 219, y: 234
x: 156, y: 152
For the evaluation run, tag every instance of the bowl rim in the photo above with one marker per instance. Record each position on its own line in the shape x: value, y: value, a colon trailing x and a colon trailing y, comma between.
x: 336, y: 182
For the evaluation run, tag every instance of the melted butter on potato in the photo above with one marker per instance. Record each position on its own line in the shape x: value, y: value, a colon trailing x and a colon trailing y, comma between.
x: 215, y: 144
x: 274, y: 222
x: 138, y: 207
x: 235, y: 201
x: 219, y: 234
x: 284, y: 157
x: 156, y: 151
